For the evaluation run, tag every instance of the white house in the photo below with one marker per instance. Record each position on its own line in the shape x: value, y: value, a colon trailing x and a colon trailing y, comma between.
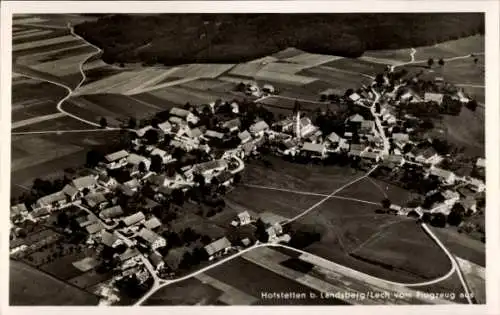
x: 314, y: 149
x: 217, y: 248
x: 434, y: 97
x: 154, y: 240
x: 244, y: 218
x: 54, y: 200
x: 210, y: 168
x: 165, y: 126
x: 88, y: 182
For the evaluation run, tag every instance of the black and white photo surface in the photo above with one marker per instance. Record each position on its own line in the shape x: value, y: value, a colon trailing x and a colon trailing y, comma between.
x: 248, y: 159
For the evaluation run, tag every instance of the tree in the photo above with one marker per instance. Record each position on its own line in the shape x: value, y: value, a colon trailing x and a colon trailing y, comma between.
x: 386, y: 203
x: 237, y: 178
x: 187, y: 260
x: 441, y: 62
x: 142, y: 167
x: 379, y: 78
x: 476, y: 60
x: 103, y: 122
x: 377, y: 107
x: 438, y: 220
x: 456, y: 215
x: 200, y: 254
x: 93, y: 158
x: 178, y: 197
x: 205, y: 240
x: 132, y: 123
x: 156, y: 163
x: 430, y: 62
x: 472, y: 105
x: 151, y: 136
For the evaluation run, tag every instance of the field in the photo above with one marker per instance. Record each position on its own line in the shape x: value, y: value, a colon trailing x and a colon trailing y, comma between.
x: 29, y: 286
x: 462, y: 246
x: 475, y: 276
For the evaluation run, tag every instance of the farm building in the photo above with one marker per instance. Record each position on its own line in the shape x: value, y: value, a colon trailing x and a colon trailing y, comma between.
x: 211, y: 134
x: 314, y: 149
x: 156, y: 260
x: 367, y: 126
x: 393, y: 160
x: 208, y: 169
x: 111, y: 213
x: 129, y: 254
x: 109, y: 239
x: 135, y: 159
x: 259, y: 128
x: 53, y: 200
x: 116, y: 159
x: 217, y: 248
x: 434, y: 97
x: 165, y: 126
x: 285, y: 125
x: 224, y: 178
x: 134, y: 219
x: 232, y: 125
x: 154, y: 240
x: 427, y: 156
x: 447, y: 177
x: 88, y: 182
x: 70, y: 191
x: 369, y: 155
x: 184, y: 114
x: 152, y: 223
x: 165, y: 156
x: 95, y: 200
x: 245, y: 136
x: 244, y: 218
x: 94, y: 228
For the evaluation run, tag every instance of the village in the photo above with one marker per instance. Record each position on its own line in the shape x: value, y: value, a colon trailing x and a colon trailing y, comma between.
x: 197, y: 154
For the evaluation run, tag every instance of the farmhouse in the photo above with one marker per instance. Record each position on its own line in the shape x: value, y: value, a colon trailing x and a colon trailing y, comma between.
x: 433, y: 97
x: 116, y: 159
x: 211, y: 134
x: 165, y: 156
x: 369, y: 155
x: 469, y: 204
x: 232, y: 125
x: 132, y: 185
x: 134, y: 219
x: 52, y: 200
x: 259, y: 128
x: 389, y: 118
x: 354, y: 97
x: 217, y: 248
x: 481, y: 163
x: 333, y: 138
x: 314, y: 149
x: 141, y: 132
x: 428, y: 156
x: 40, y: 212
x: 245, y: 136
x: 95, y: 200
x: 244, y: 218
x: 111, y: 213
x: 70, y: 191
x: 152, y: 223
x: 94, y: 228
x: 88, y: 182
x: 165, y: 126
x: 109, y: 239
x: 393, y: 160
x: 129, y: 253
x: 154, y: 240
x: 19, y: 209
x: 156, y: 260
x: 135, y: 160
x: 184, y: 114
x: 475, y: 184
x: 401, y: 137
x: 208, y: 169
x: 447, y: 177
x: 285, y: 125
x: 367, y: 126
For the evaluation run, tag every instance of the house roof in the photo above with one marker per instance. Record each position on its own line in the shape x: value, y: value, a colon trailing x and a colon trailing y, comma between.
x: 195, y: 132
x: 155, y: 259
x: 136, y: 159
x: 433, y: 97
x: 440, y: 172
x: 333, y: 137
x: 177, y: 120
x: 481, y: 162
x: 160, y: 152
x: 165, y: 126
x: 176, y: 111
x: 111, y: 212
x: 134, y: 218
x: 468, y: 202
x: 244, y: 215
x: 214, y: 134
x: 129, y: 253
x: 94, y: 227
x: 259, y: 126
x: 108, y: 239
x: 70, y: 190
x: 49, y: 199
x: 210, y: 165
x: 244, y: 135
x: 148, y: 235
x: 16, y: 209
x: 305, y: 121
x: 284, y: 122
x: 356, y: 118
x: 118, y: 155
x: 232, y: 123
x: 217, y: 246
x: 152, y: 223
x: 367, y: 124
x: 354, y: 97
x: 370, y: 155
x: 393, y: 158
x: 401, y: 136
x: 133, y: 183
x: 449, y: 194
x: 39, y: 212
x: 313, y: 147
x: 95, y: 199
x: 84, y: 182
x: 359, y: 147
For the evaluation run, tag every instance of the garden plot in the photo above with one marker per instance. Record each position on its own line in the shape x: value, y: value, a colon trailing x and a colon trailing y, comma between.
x: 41, y: 43
x: 311, y: 60
x: 30, y: 34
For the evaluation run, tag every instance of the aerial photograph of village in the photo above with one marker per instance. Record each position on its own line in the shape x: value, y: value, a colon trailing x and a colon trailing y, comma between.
x: 247, y: 159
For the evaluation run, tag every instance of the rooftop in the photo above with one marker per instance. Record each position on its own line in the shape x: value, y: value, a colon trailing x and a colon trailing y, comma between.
x: 116, y: 156
x: 134, y: 218
x: 217, y: 246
